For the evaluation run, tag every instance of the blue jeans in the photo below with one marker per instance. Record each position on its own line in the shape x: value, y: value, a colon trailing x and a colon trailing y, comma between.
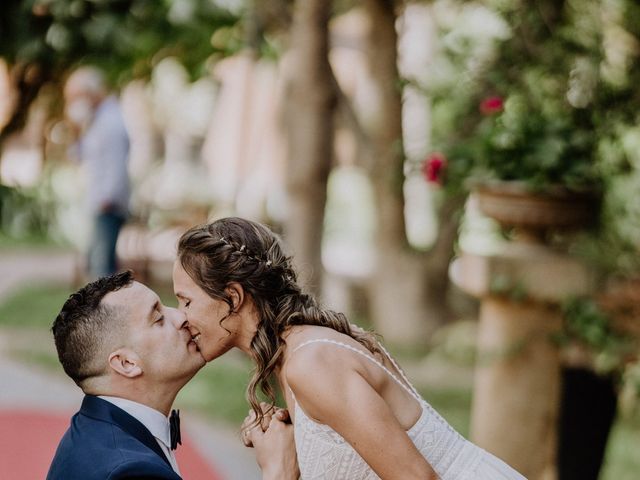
x: 102, y: 249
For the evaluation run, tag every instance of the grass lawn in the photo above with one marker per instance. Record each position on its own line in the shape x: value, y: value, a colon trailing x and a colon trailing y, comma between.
x: 218, y: 390
x: 29, y: 242
x: 34, y: 307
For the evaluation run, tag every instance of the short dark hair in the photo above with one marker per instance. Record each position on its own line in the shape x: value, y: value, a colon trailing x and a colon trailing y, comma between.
x: 82, y: 329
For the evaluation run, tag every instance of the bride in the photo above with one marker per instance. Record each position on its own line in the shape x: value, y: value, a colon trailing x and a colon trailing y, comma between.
x: 355, y: 413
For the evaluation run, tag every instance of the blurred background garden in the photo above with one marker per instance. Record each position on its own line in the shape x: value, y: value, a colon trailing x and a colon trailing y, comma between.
x: 461, y: 176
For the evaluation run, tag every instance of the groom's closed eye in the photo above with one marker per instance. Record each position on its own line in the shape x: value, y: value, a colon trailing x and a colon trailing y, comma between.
x: 158, y: 316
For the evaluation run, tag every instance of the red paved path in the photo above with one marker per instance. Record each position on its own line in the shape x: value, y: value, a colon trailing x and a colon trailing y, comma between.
x: 28, y: 440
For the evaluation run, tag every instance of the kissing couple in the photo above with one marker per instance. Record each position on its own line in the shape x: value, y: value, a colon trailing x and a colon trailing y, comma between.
x: 353, y: 412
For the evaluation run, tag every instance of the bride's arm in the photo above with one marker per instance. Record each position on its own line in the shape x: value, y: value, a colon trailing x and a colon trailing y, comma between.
x: 332, y: 390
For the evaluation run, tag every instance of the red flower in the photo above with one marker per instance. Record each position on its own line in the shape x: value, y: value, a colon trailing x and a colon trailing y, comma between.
x: 433, y: 167
x: 491, y: 105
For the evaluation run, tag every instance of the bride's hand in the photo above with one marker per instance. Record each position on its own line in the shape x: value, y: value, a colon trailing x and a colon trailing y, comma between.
x: 269, y: 411
x: 275, y: 450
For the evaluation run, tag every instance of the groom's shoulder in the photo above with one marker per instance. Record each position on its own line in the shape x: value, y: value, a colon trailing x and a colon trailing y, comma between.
x: 96, y: 449
x: 96, y: 467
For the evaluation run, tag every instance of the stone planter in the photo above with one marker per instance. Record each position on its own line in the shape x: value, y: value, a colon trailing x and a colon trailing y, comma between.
x: 513, y: 205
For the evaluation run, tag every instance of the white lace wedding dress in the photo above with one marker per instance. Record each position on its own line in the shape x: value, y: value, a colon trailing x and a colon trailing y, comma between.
x: 324, y: 454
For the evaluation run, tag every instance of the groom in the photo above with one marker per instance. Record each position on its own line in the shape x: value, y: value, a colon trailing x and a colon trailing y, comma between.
x: 131, y: 355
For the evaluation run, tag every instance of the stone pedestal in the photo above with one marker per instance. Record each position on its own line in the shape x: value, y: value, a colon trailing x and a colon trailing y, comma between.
x: 517, y: 383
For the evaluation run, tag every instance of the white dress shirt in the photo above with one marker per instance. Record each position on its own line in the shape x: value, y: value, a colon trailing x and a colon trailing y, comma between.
x: 153, y: 420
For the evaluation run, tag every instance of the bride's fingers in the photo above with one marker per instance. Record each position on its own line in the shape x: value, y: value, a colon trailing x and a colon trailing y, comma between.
x: 252, y: 435
x: 268, y: 411
x: 246, y: 438
x: 247, y: 424
x: 248, y: 420
x: 265, y: 421
x: 282, y: 414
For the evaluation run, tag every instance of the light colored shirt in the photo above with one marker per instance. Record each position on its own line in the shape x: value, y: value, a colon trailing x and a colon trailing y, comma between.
x: 153, y: 420
x: 103, y: 150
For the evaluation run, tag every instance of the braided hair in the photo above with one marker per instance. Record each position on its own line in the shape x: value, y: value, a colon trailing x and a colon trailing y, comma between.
x: 235, y: 250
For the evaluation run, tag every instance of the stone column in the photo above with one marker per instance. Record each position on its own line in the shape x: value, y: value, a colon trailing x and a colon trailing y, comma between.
x: 517, y: 382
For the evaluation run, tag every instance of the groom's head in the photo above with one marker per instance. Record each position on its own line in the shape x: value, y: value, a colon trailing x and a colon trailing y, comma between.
x: 115, y: 331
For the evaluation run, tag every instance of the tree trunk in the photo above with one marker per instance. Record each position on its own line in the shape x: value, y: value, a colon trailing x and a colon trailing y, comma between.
x: 408, y: 289
x: 26, y: 81
x: 310, y: 107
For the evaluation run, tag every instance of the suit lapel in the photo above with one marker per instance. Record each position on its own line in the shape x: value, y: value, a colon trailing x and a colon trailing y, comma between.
x: 100, y: 409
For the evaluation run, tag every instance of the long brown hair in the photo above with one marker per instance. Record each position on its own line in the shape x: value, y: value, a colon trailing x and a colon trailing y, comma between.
x: 238, y: 250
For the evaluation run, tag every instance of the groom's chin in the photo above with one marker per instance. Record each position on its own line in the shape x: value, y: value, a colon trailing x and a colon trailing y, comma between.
x: 196, y: 369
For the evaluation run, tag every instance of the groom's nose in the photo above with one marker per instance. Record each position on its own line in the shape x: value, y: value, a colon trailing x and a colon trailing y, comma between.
x: 178, y: 319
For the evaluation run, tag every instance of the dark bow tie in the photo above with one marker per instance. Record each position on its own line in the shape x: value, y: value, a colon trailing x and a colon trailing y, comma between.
x: 174, y: 425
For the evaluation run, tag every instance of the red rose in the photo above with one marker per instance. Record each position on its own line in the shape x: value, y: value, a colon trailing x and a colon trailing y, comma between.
x: 491, y: 105
x: 433, y: 167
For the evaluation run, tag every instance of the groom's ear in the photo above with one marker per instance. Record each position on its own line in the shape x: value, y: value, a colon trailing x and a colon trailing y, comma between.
x: 126, y: 363
x: 235, y: 291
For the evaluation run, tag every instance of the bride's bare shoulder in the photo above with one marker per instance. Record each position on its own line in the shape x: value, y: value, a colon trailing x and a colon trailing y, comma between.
x: 308, y: 354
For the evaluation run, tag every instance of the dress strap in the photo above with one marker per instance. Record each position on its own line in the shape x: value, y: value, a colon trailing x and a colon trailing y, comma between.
x: 412, y: 391
x: 400, y: 370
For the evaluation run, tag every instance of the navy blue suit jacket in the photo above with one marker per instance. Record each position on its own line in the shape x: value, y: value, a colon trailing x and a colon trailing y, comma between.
x: 106, y: 443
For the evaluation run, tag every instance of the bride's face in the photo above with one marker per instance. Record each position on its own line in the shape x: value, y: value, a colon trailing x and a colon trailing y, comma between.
x: 203, y: 315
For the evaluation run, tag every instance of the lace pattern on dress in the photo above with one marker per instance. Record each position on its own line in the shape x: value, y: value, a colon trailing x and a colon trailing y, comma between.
x: 323, y: 454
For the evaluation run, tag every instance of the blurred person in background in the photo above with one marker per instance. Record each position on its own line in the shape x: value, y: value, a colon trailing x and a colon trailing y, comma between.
x: 103, y: 149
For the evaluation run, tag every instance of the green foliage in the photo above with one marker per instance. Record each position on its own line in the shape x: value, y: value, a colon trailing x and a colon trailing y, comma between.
x: 614, y: 247
x: 522, y: 143
x: 587, y: 324
x: 125, y: 37
x: 563, y: 77
x: 506, y: 286
x: 565, y: 73
x: 621, y: 459
x: 26, y: 213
